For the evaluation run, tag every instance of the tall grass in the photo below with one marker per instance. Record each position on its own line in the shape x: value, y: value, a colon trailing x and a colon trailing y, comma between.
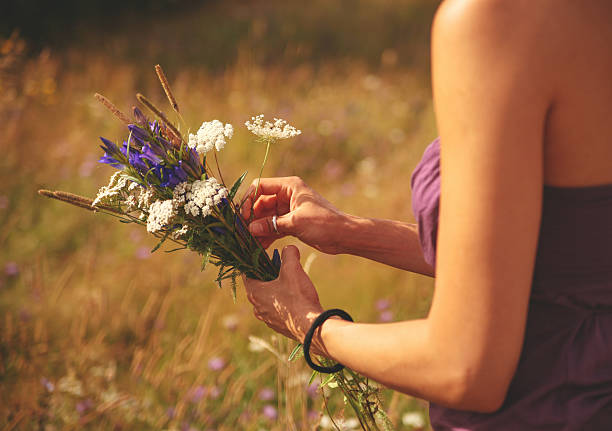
x: 97, y: 333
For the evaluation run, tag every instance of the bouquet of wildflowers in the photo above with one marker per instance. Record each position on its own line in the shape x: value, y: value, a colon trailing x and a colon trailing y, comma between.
x: 165, y: 182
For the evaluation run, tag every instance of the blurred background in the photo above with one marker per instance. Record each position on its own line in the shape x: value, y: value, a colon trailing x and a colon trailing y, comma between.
x: 98, y: 333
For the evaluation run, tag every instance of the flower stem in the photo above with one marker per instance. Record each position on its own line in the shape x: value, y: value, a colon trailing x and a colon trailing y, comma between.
x: 268, y: 142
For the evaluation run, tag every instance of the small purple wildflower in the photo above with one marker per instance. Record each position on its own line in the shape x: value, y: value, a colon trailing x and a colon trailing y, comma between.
x: 25, y: 315
x: 386, y: 316
x: 47, y: 384
x: 230, y: 322
x: 214, y: 392
x: 135, y: 235
x: 143, y: 253
x: 83, y: 406
x: 266, y: 394
x: 86, y: 168
x: 11, y: 269
x: 216, y: 363
x: 313, y: 415
x: 383, y: 304
x: 186, y: 426
x: 170, y: 412
x: 347, y: 189
x: 270, y: 412
x: 312, y: 390
x: 197, y: 394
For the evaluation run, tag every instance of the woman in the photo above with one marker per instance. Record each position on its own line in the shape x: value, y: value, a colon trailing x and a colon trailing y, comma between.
x: 519, y: 335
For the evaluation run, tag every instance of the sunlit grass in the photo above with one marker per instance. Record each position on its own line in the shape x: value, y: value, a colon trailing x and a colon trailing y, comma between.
x: 95, y: 331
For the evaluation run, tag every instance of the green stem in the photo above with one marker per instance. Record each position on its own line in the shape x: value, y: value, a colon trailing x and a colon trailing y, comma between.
x: 268, y: 142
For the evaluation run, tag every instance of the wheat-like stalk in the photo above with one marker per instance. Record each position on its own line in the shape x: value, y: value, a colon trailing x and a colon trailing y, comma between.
x: 116, y: 112
x: 76, y: 200
x: 164, y: 82
x: 146, y: 102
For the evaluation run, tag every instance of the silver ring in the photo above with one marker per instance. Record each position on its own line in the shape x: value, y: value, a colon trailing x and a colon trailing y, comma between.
x: 274, y: 224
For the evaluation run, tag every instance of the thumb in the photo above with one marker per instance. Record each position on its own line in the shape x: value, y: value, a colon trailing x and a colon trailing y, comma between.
x: 290, y: 257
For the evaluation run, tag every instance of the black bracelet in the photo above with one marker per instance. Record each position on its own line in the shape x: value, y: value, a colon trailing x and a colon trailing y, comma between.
x: 308, y: 339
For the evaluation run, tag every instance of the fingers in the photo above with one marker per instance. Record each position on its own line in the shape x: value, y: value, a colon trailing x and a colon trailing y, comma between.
x: 275, y: 197
x: 269, y: 205
x: 264, y: 227
x: 282, y: 186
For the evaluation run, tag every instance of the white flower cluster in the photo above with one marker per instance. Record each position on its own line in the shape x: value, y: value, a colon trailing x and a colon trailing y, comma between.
x: 199, y: 197
x: 111, y: 194
x: 180, y: 233
x: 279, y: 129
x: 145, y: 198
x: 161, y: 214
x: 211, y: 134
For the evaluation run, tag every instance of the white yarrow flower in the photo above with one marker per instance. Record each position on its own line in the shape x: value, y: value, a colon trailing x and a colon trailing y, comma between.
x: 279, y: 129
x: 199, y: 197
x: 145, y: 198
x: 180, y: 233
x: 111, y: 194
x: 211, y: 134
x: 161, y: 214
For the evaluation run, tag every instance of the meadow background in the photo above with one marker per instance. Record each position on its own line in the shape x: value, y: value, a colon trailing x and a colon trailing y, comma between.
x: 98, y: 333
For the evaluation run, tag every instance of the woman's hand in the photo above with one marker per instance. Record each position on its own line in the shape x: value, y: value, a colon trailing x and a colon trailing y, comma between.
x: 300, y: 211
x: 288, y: 304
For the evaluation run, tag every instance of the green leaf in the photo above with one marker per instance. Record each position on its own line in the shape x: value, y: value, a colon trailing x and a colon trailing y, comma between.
x: 175, y: 249
x: 296, y: 353
x: 236, y: 186
x: 234, y: 274
x: 256, y: 255
x: 149, y: 172
x: 206, y: 256
x: 134, y: 179
x: 165, y: 237
x: 312, y: 377
x: 219, y: 278
x: 327, y: 380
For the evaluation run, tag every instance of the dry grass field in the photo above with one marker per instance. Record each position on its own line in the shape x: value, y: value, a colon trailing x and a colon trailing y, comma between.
x: 98, y: 333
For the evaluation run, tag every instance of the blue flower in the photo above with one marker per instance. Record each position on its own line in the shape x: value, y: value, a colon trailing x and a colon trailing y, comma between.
x: 276, y: 259
x: 139, y: 134
x: 148, y: 154
x: 171, y: 176
x: 154, y: 126
x: 111, y: 154
x: 110, y: 160
x: 108, y: 146
x: 140, y: 117
x: 135, y: 159
x: 179, y: 173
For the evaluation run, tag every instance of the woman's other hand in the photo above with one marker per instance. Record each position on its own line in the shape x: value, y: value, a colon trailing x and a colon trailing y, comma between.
x: 288, y: 304
x: 300, y: 211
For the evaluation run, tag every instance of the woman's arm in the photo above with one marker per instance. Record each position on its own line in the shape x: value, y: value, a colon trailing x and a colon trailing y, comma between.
x: 305, y: 214
x: 390, y: 242
x: 492, y: 94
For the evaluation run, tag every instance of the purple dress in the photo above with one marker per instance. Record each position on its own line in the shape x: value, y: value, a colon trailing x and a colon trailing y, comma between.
x: 563, y: 381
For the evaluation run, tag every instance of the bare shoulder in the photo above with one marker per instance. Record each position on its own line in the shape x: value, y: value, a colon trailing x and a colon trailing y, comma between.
x: 537, y: 25
x: 509, y: 40
x: 513, y: 25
